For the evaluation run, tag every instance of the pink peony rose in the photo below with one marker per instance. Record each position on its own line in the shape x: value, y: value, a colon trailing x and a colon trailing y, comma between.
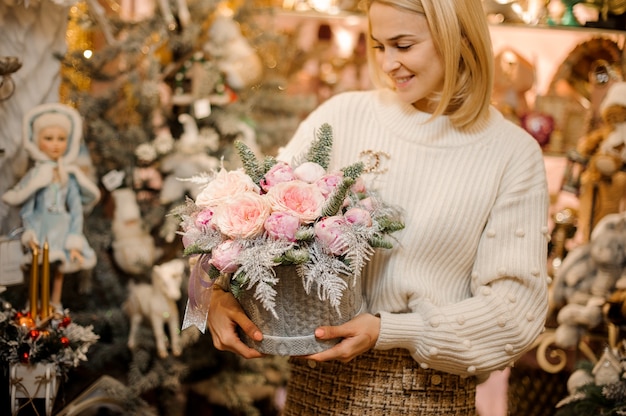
x: 224, y: 256
x: 224, y: 186
x: 309, y: 172
x: 358, y: 216
x: 300, y: 199
x: 328, y: 230
x: 280, y: 172
x: 358, y: 186
x: 203, y: 219
x: 328, y: 183
x: 281, y: 226
x: 242, y: 216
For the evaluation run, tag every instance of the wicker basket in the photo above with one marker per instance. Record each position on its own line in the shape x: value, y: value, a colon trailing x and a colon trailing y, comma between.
x: 299, y: 313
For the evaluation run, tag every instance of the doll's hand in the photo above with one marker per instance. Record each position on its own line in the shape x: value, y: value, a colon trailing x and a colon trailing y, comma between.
x: 359, y: 335
x: 33, y: 245
x: 75, y: 256
x: 225, y: 315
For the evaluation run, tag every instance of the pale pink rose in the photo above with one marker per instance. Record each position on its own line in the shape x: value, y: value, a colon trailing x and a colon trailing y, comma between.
x: 309, y: 172
x: 224, y: 256
x: 203, y: 219
x: 328, y: 231
x: 328, y: 183
x: 358, y: 216
x: 300, y: 199
x: 280, y: 172
x: 242, y: 216
x: 358, y: 186
x: 225, y: 185
x: 281, y: 226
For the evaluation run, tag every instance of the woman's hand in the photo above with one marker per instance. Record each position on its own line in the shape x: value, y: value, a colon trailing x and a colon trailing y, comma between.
x: 225, y: 315
x: 359, y: 335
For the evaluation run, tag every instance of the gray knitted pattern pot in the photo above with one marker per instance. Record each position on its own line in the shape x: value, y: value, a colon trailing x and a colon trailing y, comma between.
x: 299, y: 313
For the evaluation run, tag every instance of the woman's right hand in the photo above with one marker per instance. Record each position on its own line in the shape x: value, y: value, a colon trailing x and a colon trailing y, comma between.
x: 225, y: 315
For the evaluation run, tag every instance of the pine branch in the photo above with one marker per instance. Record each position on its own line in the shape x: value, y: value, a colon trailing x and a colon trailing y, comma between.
x: 321, y: 147
x: 268, y: 163
x: 335, y: 202
x: 389, y: 225
x: 353, y: 171
x: 250, y: 162
x: 305, y: 234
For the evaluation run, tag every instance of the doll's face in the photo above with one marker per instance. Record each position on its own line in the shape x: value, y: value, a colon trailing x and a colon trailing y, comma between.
x: 52, y: 141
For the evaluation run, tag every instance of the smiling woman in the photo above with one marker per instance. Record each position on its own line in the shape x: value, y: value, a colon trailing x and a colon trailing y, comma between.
x: 464, y: 292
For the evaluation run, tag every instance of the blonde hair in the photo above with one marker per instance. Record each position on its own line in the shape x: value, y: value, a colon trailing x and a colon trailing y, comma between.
x: 468, y: 65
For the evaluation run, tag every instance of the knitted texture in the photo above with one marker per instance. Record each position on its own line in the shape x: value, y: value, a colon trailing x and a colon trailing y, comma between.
x: 377, y: 383
x: 299, y: 313
x: 465, y: 288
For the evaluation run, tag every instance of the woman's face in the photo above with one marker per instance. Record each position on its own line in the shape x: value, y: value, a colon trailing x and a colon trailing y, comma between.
x: 406, y: 53
x: 52, y: 141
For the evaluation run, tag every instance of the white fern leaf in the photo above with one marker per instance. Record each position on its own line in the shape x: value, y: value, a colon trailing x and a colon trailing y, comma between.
x: 327, y: 273
x: 257, y: 262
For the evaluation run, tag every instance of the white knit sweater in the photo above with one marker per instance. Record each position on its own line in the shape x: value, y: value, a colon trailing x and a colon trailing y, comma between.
x: 465, y: 288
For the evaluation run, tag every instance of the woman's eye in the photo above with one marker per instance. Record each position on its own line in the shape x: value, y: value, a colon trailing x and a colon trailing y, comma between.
x: 403, y: 47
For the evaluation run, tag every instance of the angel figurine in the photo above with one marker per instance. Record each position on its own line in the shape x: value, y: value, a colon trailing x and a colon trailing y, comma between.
x: 55, y: 193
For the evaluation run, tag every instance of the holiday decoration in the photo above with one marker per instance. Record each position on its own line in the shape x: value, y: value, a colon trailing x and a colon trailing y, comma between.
x: 134, y: 248
x: 247, y: 223
x: 603, y: 181
x: 156, y: 303
x: 597, y: 389
x: 32, y: 382
x: 586, y: 279
x: 57, y: 339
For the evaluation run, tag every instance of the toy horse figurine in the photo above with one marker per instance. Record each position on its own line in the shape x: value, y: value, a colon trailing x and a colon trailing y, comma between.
x: 157, y: 303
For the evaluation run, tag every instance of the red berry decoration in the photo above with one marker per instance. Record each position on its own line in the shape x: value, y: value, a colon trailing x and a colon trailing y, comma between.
x: 25, y: 357
x: 65, y: 341
x: 65, y: 322
x: 34, y: 334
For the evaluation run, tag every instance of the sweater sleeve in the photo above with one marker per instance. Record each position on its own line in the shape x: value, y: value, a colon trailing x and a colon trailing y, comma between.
x: 509, y: 287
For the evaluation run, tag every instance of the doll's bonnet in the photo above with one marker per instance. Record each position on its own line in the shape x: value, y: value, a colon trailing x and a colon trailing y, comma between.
x: 52, y: 114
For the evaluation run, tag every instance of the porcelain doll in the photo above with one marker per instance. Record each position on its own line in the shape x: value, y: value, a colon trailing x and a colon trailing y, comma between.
x: 55, y: 192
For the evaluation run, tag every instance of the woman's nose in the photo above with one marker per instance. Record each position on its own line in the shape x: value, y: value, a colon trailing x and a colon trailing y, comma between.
x: 389, y: 61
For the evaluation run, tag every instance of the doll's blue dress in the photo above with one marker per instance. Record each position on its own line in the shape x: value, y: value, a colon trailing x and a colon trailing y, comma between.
x: 55, y: 214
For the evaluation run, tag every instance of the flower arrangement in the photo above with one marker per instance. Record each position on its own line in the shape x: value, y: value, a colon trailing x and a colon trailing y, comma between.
x: 28, y: 340
x: 245, y: 222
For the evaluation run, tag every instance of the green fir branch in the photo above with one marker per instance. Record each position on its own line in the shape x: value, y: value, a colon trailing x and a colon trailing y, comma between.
x: 321, y: 147
x: 268, y: 163
x: 250, y: 162
x: 213, y: 272
x: 193, y: 249
x: 305, y: 234
x: 380, y: 242
x: 389, y: 225
x: 335, y: 202
x: 237, y: 283
x: 295, y: 256
x: 353, y: 171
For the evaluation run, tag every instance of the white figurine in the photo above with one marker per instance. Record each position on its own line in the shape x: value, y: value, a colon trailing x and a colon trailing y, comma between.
x: 134, y: 250
x: 156, y: 302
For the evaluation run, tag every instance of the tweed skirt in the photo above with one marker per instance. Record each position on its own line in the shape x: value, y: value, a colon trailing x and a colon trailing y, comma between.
x: 376, y: 383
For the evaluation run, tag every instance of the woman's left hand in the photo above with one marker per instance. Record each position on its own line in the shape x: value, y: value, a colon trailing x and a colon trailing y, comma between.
x: 359, y: 335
